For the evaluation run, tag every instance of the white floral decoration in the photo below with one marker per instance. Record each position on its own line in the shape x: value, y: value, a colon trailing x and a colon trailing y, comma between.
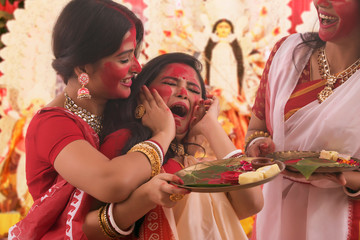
x: 310, y: 21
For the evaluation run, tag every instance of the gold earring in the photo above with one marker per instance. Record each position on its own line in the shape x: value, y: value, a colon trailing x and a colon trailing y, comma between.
x: 139, y: 111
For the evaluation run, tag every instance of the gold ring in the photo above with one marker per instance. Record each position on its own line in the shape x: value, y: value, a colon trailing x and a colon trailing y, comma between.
x: 139, y: 111
x: 176, y: 197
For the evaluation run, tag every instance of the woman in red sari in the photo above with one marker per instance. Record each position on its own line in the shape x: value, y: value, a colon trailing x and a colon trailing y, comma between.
x: 157, y: 212
x: 308, y: 101
x: 95, y: 43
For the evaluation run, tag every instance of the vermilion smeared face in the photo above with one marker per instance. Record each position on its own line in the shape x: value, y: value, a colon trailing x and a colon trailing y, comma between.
x: 179, y: 86
x: 338, y: 18
x: 117, y: 71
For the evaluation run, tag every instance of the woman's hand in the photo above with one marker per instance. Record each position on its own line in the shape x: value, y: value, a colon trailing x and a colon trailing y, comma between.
x: 205, y: 112
x: 159, y: 189
x: 158, y: 116
x: 338, y: 178
x: 260, y: 147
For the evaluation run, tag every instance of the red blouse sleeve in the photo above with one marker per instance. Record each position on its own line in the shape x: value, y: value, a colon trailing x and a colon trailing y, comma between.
x: 48, y: 133
x: 259, y: 105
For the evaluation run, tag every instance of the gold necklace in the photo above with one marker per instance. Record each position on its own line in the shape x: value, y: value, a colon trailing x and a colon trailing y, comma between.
x: 331, y: 79
x: 178, y: 149
x: 93, y: 120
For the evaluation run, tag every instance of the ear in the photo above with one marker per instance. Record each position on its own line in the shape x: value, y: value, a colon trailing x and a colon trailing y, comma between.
x: 79, y: 70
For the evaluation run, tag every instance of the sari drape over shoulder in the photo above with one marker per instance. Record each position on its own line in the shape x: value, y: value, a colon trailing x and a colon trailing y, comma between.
x: 316, y: 209
x: 58, y: 213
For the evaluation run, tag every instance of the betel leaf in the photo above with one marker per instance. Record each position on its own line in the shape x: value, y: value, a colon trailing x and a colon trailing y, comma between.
x: 307, y: 166
x: 202, y: 176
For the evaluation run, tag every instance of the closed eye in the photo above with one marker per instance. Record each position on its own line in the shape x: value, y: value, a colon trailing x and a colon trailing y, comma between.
x: 170, y: 82
x: 194, y: 91
x: 124, y: 61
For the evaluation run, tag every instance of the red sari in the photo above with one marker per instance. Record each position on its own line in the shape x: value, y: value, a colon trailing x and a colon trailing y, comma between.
x: 59, y: 208
x: 155, y: 225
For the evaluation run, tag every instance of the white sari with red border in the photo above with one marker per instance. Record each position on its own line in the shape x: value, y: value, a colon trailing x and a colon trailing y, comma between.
x: 318, y: 209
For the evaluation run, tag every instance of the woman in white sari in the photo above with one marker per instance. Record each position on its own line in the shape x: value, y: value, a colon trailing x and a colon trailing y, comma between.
x: 308, y: 101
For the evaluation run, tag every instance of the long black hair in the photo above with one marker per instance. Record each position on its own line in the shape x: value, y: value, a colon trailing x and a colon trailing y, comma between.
x: 89, y: 30
x: 119, y: 113
x: 236, y: 50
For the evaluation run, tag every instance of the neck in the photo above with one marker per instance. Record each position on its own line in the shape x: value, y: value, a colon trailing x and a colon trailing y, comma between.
x: 94, y: 105
x: 341, y: 54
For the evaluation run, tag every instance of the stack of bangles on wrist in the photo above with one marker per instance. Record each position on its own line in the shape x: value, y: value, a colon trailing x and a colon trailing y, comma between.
x: 153, y: 151
x: 108, y: 225
x: 234, y: 154
x: 255, y: 136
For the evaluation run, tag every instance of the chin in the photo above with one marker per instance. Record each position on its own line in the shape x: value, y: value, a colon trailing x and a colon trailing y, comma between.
x: 180, y: 136
x: 122, y: 95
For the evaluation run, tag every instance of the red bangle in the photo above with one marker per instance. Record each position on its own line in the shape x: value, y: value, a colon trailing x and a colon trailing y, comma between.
x: 162, y: 150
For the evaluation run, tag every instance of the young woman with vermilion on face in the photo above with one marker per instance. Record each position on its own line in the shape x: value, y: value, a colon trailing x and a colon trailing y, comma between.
x: 308, y: 101
x: 95, y: 44
x: 157, y: 212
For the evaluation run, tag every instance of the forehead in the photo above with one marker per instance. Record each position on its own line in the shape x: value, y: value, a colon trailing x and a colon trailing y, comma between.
x: 128, y: 42
x: 179, y: 71
x: 223, y: 24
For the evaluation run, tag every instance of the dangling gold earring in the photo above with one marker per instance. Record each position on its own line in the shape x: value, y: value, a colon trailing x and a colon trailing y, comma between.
x: 83, y: 92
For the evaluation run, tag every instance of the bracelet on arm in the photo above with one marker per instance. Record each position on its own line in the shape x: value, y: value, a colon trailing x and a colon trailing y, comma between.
x: 234, y: 154
x: 351, y: 193
x: 104, y: 223
x: 110, y: 208
x: 152, y: 155
x: 158, y: 148
x: 254, y: 136
x: 108, y: 225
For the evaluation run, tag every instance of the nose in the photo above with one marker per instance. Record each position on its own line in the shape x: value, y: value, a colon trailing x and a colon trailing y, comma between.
x: 136, y: 67
x: 182, y: 93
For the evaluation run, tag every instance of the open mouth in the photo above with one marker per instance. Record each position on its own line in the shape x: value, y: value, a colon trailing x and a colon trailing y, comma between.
x: 327, y: 20
x: 179, y: 110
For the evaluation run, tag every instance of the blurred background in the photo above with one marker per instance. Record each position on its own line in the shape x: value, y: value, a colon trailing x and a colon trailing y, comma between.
x: 232, y: 38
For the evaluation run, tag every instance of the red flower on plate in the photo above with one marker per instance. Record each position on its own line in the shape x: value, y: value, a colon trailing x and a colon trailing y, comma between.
x: 230, y: 177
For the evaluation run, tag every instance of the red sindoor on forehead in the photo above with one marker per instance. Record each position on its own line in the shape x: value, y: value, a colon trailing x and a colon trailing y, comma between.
x: 122, y: 12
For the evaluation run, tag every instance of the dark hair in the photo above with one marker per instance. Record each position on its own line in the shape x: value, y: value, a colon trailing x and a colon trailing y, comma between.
x: 88, y: 30
x: 236, y: 50
x: 119, y: 113
x: 223, y: 20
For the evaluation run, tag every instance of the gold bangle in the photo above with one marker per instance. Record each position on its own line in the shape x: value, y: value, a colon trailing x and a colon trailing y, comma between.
x: 253, y: 136
x: 152, y: 156
x: 104, y: 223
x: 101, y: 222
x: 157, y: 150
x: 155, y: 160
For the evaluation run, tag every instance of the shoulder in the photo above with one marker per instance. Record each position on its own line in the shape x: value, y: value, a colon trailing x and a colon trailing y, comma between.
x: 114, y: 142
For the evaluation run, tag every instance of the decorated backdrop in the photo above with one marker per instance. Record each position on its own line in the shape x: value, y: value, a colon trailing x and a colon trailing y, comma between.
x: 232, y: 38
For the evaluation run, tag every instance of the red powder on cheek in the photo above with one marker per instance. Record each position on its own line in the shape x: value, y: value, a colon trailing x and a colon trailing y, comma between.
x: 111, y: 75
x: 164, y: 91
x: 349, y: 16
x: 349, y: 20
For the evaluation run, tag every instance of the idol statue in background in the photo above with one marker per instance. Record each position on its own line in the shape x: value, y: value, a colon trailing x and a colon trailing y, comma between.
x: 224, y: 60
